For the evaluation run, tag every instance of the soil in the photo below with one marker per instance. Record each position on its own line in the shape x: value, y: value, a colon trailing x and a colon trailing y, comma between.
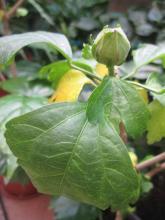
x: 151, y: 206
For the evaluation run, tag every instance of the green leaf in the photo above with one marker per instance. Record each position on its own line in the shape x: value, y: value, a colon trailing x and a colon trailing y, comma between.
x: 147, y: 54
x: 67, y: 209
x: 146, y: 184
x: 67, y: 155
x: 121, y: 102
x: 55, y: 71
x: 156, y: 125
x: 20, y: 176
x: 157, y: 81
x: 15, y: 105
x: 10, y: 45
x: 10, y: 107
x: 21, y: 85
x: 83, y: 64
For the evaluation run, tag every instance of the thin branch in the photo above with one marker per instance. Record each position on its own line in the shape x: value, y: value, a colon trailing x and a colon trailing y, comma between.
x: 123, y: 133
x: 2, y: 78
x: 13, y: 9
x: 161, y: 91
x: 150, y: 162
x: 3, y: 209
x: 2, y: 4
x: 86, y: 72
x: 118, y: 216
x: 156, y: 170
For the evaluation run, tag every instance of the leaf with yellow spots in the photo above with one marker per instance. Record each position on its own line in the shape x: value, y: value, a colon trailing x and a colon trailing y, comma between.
x: 70, y: 86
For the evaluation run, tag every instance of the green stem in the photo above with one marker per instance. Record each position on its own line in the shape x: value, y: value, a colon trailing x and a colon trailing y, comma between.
x: 148, y: 88
x: 86, y: 72
x: 111, y: 70
x: 131, y: 74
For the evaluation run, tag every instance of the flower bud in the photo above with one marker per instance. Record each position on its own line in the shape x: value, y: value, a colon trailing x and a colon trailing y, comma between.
x: 111, y: 46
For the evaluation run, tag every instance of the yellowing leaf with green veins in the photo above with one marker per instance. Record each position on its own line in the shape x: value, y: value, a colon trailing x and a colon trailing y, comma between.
x: 156, y: 125
x: 70, y: 86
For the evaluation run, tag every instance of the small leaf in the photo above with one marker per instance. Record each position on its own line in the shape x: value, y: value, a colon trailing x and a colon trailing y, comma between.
x: 156, y: 125
x: 55, y: 71
x: 10, y: 45
x: 121, y: 102
x: 70, y: 86
x: 67, y: 155
x: 157, y: 81
x: 87, y: 51
x: 146, y: 185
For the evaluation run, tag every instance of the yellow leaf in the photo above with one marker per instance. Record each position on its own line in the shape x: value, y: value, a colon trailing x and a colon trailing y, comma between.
x: 70, y: 86
x: 101, y: 70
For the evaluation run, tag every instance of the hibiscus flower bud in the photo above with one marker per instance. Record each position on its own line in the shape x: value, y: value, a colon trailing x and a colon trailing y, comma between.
x: 111, y: 46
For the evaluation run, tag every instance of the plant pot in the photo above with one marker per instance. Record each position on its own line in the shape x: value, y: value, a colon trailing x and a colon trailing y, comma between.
x: 18, y: 199
x: 31, y: 208
x: 3, y: 93
x: 19, y: 190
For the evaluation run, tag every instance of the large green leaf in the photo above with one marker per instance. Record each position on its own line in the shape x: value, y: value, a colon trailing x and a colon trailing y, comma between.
x: 66, y: 155
x: 121, y: 102
x: 157, y: 81
x: 10, y: 45
x: 156, y: 125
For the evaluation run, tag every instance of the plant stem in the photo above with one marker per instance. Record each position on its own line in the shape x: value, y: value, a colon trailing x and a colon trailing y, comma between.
x: 2, y: 78
x: 13, y: 9
x: 118, y: 216
x: 131, y: 74
x: 111, y: 70
x: 3, y: 209
x: 148, y: 88
x: 156, y: 170
x: 6, y: 23
x: 123, y: 133
x: 150, y: 162
x: 86, y: 72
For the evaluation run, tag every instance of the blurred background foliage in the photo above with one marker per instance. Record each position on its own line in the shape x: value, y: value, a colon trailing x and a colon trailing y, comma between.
x: 77, y: 19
